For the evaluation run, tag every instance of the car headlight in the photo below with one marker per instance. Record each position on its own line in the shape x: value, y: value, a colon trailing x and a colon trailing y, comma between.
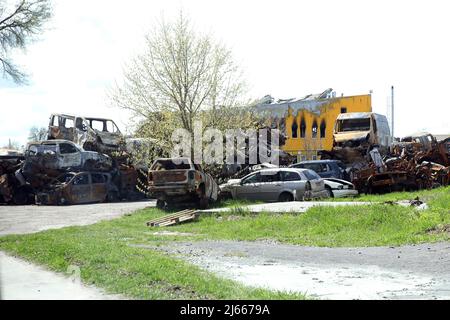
x: 340, y: 187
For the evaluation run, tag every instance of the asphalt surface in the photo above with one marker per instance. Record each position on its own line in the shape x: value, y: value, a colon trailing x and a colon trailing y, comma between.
x: 405, y: 272
x: 30, y: 219
x: 22, y: 280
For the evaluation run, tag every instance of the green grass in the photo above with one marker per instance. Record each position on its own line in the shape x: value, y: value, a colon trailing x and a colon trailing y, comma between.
x: 106, y: 259
x: 371, y: 225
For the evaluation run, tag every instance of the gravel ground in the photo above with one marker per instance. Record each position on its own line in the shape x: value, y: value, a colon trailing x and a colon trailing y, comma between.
x: 405, y: 272
x: 30, y: 219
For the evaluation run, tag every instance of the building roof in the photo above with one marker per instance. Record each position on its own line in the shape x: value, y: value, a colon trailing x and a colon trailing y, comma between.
x: 311, y: 102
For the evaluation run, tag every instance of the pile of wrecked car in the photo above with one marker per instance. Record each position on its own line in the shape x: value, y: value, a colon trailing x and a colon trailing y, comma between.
x: 84, y: 160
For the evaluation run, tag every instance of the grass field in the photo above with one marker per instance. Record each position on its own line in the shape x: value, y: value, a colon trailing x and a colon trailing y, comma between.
x: 106, y: 254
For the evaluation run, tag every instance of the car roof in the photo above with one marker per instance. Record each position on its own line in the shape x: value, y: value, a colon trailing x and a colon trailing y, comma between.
x: 55, y: 141
x: 283, y: 169
x: 317, y: 161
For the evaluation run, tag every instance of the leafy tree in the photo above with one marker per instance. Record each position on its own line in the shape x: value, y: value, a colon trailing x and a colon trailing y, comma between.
x: 183, y: 76
x: 37, y: 134
x: 19, y: 23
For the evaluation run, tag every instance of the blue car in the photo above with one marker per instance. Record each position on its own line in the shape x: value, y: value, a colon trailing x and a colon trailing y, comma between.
x: 324, y: 168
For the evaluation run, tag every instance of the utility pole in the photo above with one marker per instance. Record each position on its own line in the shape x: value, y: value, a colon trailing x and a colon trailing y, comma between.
x: 392, y: 111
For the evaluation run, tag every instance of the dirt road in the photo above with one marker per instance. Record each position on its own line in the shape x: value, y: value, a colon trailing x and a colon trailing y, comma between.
x: 29, y: 219
x: 406, y: 272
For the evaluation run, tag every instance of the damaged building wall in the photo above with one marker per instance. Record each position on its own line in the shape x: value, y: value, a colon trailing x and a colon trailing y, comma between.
x: 308, y: 122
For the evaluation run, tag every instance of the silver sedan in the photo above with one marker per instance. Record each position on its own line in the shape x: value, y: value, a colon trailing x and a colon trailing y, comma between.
x: 280, y: 184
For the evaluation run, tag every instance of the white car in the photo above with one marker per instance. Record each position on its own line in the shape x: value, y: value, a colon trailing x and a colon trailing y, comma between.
x: 338, y: 188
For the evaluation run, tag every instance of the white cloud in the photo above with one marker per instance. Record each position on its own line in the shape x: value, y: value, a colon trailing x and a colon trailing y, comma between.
x: 287, y: 48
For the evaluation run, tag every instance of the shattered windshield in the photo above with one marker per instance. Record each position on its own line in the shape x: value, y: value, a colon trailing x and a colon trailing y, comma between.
x: 42, y: 149
x: 353, y: 125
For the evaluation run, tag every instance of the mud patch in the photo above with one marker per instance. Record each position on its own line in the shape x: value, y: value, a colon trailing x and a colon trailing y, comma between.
x: 440, y: 229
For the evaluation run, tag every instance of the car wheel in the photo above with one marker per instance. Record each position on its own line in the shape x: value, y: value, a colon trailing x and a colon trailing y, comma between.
x: 285, y: 197
x: 160, y: 204
x: 329, y: 192
x: 112, y: 196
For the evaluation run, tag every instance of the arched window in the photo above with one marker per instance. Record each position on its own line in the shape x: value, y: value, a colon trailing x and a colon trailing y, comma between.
x: 302, y: 128
x: 314, y: 129
x: 323, y: 127
x: 294, y: 128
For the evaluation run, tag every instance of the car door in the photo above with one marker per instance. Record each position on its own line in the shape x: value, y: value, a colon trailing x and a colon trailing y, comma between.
x: 250, y: 187
x: 80, y: 191
x: 293, y: 181
x: 99, y: 188
x: 70, y: 156
x: 326, y: 171
x: 270, y: 186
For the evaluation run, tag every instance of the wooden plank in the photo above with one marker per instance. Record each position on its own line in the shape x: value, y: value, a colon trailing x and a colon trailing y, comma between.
x: 171, y: 216
x: 174, y: 218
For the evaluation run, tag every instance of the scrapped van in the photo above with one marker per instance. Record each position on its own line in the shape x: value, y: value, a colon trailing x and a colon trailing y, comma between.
x: 92, y: 134
x: 361, y: 129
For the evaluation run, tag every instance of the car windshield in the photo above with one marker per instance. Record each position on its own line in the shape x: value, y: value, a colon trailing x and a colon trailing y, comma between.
x: 353, y: 125
x: 182, y: 164
x: 311, y: 175
x: 42, y: 149
x: 65, y: 177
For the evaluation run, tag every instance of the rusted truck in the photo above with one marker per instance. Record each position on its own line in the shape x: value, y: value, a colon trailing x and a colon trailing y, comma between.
x: 92, y: 134
x: 179, y: 180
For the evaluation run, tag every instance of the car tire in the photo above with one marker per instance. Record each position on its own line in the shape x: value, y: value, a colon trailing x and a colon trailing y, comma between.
x: 160, y: 204
x: 285, y: 197
x: 329, y: 192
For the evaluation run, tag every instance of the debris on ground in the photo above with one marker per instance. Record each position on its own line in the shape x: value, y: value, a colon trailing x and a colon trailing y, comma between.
x: 175, y: 218
x: 416, y: 203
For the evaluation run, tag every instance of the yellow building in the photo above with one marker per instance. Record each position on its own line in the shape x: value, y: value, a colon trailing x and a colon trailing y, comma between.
x: 308, y: 122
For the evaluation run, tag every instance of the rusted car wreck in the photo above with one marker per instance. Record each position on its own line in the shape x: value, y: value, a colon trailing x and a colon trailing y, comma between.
x: 175, y: 180
x: 77, y: 188
x: 415, y: 162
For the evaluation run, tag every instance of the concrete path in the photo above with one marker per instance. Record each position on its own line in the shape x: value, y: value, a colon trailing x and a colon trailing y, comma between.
x: 30, y: 219
x: 20, y: 280
x: 293, y: 206
x: 405, y: 272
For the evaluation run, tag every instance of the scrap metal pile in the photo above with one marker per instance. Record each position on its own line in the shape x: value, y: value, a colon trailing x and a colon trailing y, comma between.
x: 83, y: 161
x: 413, y: 163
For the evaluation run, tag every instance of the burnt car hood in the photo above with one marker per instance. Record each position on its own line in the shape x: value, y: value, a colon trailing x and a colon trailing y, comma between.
x: 350, y: 136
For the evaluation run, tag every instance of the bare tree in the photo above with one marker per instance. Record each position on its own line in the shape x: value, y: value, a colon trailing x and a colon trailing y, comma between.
x: 181, y: 77
x: 19, y: 23
x: 37, y: 134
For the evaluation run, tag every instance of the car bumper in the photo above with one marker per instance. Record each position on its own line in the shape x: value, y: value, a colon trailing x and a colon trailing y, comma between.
x: 345, y: 193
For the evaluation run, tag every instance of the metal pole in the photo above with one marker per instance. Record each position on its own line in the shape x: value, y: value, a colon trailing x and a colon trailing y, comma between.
x: 392, y: 111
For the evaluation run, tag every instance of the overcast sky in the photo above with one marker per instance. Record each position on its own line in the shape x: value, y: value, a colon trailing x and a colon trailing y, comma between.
x: 286, y: 48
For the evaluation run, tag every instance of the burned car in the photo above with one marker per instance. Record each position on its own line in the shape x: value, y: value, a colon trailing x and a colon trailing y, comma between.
x: 176, y: 180
x: 56, y: 155
x: 11, y: 189
x: 92, y: 134
x: 78, y: 188
x: 361, y: 129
